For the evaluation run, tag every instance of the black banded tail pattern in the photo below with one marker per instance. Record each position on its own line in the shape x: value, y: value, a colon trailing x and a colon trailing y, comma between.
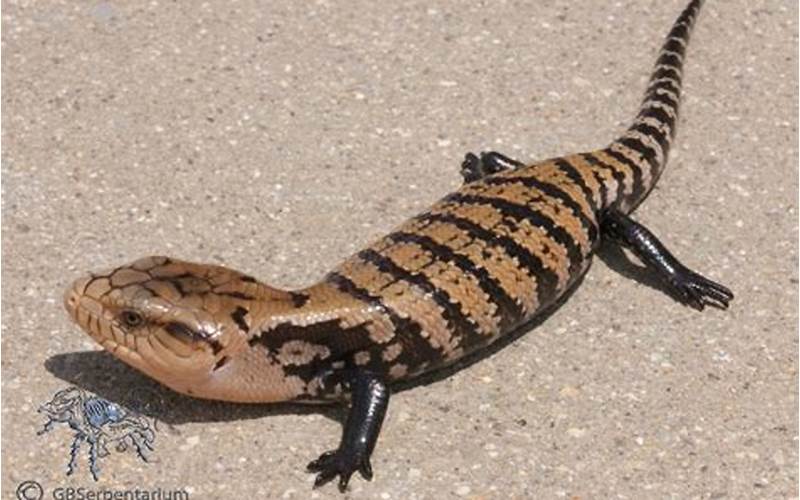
x: 644, y: 147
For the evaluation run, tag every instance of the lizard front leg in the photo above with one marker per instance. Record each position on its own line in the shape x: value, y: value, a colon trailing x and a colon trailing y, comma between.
x: 369, y: 400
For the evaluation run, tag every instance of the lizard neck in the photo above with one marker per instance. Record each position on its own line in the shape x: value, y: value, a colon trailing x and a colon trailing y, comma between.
x: 293, y: 339
x: 307, y: 307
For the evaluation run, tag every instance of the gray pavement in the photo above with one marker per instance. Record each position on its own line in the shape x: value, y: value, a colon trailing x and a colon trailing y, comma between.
x: 278, y: 138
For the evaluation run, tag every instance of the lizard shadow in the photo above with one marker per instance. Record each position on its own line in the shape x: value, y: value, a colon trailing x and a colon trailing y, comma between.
x: 101, y: 373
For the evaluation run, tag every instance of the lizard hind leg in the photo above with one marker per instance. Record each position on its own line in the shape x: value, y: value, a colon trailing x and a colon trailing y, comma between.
x: 474, y: 168
x: 690, y: 287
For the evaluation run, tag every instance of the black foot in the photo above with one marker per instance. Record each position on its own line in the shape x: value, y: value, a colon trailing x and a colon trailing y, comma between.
x: 689, y: 287
x: 342, y: 463
x: 369, y: 400
x: 699, y: 291
x: 492, y: 162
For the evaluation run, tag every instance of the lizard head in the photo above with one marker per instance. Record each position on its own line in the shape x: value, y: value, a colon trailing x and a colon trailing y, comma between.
x: 184, y: 324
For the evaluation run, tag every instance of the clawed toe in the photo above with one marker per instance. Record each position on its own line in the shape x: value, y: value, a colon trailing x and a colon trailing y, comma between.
x: 474, y: 168
x: 320, y: 463
x: 698, y: 291
x: 339, y: 463
x: 471, y: 168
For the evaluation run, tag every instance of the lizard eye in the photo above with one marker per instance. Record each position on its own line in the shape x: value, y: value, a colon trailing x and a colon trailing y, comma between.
x: 131, y: 318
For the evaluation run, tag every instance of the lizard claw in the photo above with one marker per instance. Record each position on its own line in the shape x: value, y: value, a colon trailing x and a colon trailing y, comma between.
x: 698, y: 291
x: 342, y: 463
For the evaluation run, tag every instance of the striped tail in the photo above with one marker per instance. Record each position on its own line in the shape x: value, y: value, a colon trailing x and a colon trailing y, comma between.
x: 643, y: 148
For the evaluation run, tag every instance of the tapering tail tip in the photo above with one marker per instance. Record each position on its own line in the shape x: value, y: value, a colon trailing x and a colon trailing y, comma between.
x: 647, y: 141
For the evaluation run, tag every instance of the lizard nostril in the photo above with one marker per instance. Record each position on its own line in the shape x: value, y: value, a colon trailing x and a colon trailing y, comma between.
x: 70, y: 299
x: 72, y: 296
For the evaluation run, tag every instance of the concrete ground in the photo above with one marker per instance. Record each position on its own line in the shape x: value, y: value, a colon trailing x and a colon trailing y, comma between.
x: 279, y: 137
